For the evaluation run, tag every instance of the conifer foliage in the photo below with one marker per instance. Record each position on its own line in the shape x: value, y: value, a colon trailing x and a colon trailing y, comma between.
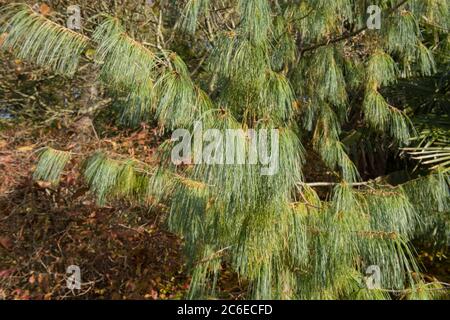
x: 307, y: 68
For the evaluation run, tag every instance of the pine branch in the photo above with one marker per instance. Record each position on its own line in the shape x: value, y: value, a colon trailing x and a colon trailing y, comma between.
x: 36, y: 38
x: 284, y: 242
x: 351, y: 34
x: 51, y: 165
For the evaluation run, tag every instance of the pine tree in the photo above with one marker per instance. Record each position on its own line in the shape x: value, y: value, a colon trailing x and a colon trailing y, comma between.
x: 309, y: 68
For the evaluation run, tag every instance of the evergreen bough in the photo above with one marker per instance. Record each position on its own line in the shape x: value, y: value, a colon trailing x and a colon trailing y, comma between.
x: 295, y: 66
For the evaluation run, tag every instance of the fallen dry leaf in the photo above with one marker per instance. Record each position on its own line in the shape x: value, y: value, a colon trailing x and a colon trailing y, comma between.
x: 3, y: 143
x: 5, y: 159
x: 32, y: 279
x: 44, y: 184
x: 3, y: 38
x: 44, y: 9
x: 6, y: 243
x: 6, y: 273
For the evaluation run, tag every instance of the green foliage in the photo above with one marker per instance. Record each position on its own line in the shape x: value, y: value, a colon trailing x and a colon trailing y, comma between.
x: 326, y: 141
x: 385, y: 118
x: 403, y: 34
x: 125, y: 63
x: 40, y: 40
x: 427, y: 291
x: 51, y: 165
x: 180, y: 101
x: 192, y: 10
x: 432, y: 192
x: 303, y: 68
x: 381, y: 69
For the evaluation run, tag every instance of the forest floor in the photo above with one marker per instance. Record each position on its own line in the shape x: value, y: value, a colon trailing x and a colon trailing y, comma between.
x: 123, y: 252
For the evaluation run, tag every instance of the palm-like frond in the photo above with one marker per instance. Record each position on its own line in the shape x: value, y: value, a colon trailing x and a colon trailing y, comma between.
x: 431, y: 118
x: 432, y: 142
